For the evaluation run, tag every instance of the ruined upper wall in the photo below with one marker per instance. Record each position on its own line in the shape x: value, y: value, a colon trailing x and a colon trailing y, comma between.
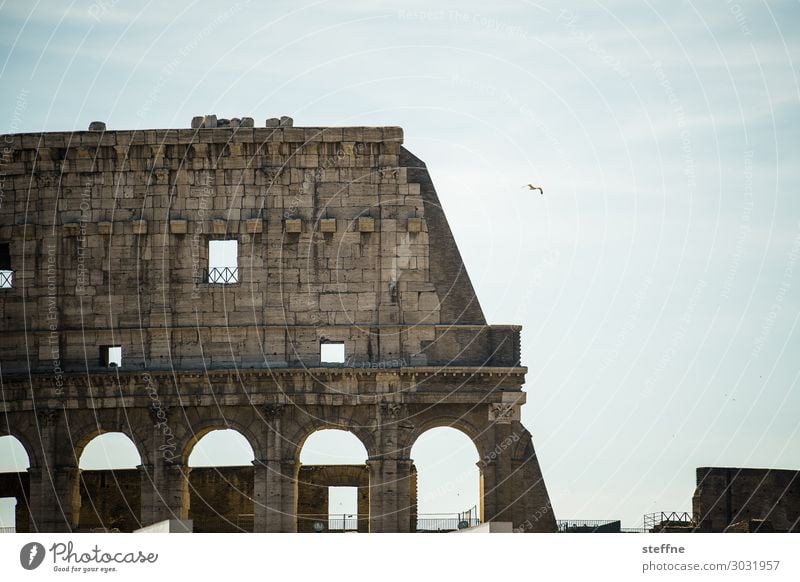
x: 340, y: 238
x: 729, y: 495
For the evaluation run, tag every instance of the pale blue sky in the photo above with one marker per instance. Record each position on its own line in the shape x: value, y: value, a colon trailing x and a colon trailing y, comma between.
x: 666, y: 137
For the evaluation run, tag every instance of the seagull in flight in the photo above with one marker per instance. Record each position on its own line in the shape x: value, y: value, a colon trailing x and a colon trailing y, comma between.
x: 532, y: 187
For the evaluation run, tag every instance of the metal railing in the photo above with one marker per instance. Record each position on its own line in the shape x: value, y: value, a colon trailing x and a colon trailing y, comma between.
x: 335, y: 522
x: 5, y: 529
x: 222, y: 276
x: 445, y: 522
x: 589, y: 526
x: 666, y: 518
x: 244, y: 521
x: 6, y: 279
x: 343, y: 522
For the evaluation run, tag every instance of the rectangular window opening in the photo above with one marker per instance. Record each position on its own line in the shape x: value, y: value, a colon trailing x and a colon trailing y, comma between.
x: 8, y: 514
x: 342, y: 508
x: 111, y: 356
x: 6, y: 274
x: 331, y: 353
x: 223, y: 266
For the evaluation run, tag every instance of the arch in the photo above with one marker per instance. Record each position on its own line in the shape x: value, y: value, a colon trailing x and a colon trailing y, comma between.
x: 200, y: 428
x: 221, y: 481
x: 295, y: 433
x: 108, y: 483
x: 221, y: 447
x: 27, y: 436
x: 74, y: 447
x: 449, y: 481
x: 332, y: 446
x: 14, y: 457
x: 424, y: 423
x: 332, y: 479
x: 98, y: 452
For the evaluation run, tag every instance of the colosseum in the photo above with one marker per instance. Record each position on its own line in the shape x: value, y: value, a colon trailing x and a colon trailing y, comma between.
x: 275, y: 281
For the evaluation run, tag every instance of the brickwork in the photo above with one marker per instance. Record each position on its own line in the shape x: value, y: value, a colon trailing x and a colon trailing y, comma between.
x: 340, y: 237
x: 738, y: 499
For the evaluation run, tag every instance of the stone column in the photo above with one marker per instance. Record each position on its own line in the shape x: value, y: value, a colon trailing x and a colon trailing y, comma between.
x: 488, y: 489
x: 54, y: 486
x: 390, y: 500
x: 503, y: 483
x: 273, y: 496
x: 22, y: 513
x: 274, y: 485
x: 406, y: 496
x: 165, y: 491
x: 54, y: 498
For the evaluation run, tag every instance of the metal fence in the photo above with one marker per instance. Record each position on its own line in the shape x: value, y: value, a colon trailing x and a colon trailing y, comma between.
x: 223, y: 276
x: 244, y: 521
x: 596, y: 526
x: 445, y: 522
x: 668, y: 518
x: 8, y: 529
x: 343, y: 522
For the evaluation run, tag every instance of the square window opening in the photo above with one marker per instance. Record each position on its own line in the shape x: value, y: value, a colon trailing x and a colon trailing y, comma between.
x: 8, y: 513
x: 223, y: 266
x: 111, y: 356
x: 342, y: 508
x: 331, y: 353
x: 6, y: 274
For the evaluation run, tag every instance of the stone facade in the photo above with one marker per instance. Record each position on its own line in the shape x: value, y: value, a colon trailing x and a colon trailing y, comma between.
x: 747, y: 500
x: 340, y: 238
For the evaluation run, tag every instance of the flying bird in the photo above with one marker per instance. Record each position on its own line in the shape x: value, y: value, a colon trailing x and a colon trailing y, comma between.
x: 532, y: 187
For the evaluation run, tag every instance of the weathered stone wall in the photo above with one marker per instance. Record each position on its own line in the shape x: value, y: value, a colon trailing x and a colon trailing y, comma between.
x: 221, y: 499
x: 341, y: 238
x: 110, y: 501
x: 726, y: 496
x: 109, y: 237
x: 312, y: 495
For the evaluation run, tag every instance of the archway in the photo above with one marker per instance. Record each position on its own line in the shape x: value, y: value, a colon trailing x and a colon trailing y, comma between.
x: 221, y: 482
x: 14, y: 485
x: 109, y: 484
x: 449, y: 488
x: 333, y: 483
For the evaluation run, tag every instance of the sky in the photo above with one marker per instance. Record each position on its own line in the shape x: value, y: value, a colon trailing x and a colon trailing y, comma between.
x: 656, y: 278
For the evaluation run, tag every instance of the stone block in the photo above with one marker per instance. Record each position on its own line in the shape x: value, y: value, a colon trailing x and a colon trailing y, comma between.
x: 72, y: 229
x: 273, y: 122
x: 97, y: 126
x: 219, y: 226
x: 293, y: 225
x: 366, y: 224
x: 254, y: 226
x: 105, y: 227
x: 178, y: 226
x: 286, y: 121
x: 139, y: 226
x: 327, y: 225
x: 428, y: 302
x: 414, y: 225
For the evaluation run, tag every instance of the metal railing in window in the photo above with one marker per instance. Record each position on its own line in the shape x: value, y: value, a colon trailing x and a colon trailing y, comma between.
x: 445, y: 522
x: 244, y: 521
x: 342, y: 522
x: 6, y: 279
x: 222, y: 275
